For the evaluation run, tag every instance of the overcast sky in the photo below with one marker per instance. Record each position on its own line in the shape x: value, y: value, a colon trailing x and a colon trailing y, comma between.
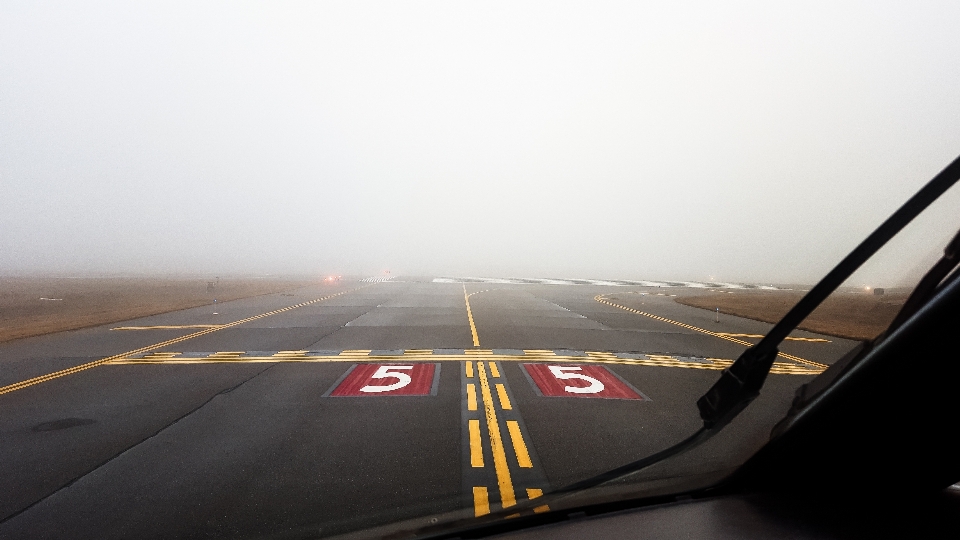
x: 744, y: 142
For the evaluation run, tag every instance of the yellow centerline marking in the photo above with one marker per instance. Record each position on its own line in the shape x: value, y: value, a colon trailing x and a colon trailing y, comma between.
x: 788, y: 338
x: 70, y: 371
x: 167, y: 327
x: 481, y: 502
x: 600, y: 298
x: 519, y: 446
x: 505, y: 483
x: 290, y: 354
x: 476, y: 447
x: 471, y: 397
x: 504, y: 398
x: 473, y: 327
x: 533, y: 493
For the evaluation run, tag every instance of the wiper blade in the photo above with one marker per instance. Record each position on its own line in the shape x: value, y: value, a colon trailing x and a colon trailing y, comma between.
x: 934, y: 280
x: 741, y: 382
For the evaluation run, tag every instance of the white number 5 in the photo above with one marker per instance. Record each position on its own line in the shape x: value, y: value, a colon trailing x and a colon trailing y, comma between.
x: 560, y: 372
x: 384, y: 372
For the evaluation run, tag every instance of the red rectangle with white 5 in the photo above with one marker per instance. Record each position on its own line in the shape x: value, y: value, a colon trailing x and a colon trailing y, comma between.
x: 579, y: 381
x: 387, y: 380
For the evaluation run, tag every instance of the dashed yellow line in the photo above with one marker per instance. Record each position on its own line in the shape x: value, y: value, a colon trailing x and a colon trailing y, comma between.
x: 481, y: 501
x: 469, y: 369
x: 473, y: 327
x: 519, y: 446
x: 504, y: 481
x: 471, y: 397
x: 504, y: 398
x: 533, y: 493
x: 76, y: 369
x: 476, y: 447
x: 600, y: 298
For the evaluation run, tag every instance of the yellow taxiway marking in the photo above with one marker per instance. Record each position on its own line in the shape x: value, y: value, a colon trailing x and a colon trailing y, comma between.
x: 788, y: 338
x: 70, y: 371
x: 533, y: 493
x: 228, y: 354
x: 167, y: 327
x: 504, y: 398
x: 519, y: 446
x: 652, y: 360
x: 162, y: 355
x: 476, y: 447
x: 356, y: 352
x: 504, y: 482
x: 494, y: 372
x: 473, y: 327
x: 471, y: 397
x: 600, y: 298
x: 290, y: 354
x: 481, y: 502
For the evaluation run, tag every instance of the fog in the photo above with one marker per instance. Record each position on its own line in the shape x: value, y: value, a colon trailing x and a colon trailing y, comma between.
x: 752, y: 142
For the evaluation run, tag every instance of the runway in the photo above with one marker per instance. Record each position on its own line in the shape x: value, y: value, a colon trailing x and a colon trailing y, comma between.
x: 378, y: 403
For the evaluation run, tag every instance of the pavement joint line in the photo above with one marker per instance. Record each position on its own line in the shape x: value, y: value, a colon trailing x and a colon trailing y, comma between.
x: 600, y: 298
x: 70, y: 371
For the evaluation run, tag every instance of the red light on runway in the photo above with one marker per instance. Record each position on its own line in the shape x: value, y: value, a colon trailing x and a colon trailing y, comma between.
x: 580, y: 381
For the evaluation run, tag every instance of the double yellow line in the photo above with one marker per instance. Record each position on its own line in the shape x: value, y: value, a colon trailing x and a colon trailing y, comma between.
x: 62, y: 373
x: 498, y: 447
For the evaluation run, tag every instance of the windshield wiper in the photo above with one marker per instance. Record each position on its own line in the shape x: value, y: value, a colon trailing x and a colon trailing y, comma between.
x: 741, y: 382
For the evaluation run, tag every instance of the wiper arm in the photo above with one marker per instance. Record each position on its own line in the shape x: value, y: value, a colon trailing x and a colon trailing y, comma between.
x: 930, y: 284
x: 741, y: 382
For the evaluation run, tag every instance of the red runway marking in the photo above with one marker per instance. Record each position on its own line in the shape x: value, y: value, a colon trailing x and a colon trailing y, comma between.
x: 387, y: 380
x: 581, y: 381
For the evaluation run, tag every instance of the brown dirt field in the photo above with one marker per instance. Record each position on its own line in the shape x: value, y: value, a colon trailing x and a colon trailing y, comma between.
x: 851, y: 315
x: 83, y: 302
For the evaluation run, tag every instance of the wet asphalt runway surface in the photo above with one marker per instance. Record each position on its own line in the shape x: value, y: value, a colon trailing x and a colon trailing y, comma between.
x: 351, y: 405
